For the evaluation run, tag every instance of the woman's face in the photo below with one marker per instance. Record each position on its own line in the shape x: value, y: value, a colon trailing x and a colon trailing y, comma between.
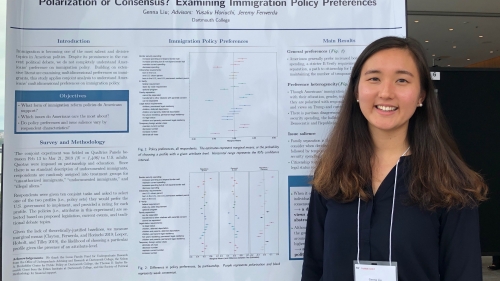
x: 389, y: 90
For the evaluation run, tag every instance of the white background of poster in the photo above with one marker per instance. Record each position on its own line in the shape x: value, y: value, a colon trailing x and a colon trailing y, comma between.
x: 3, y: 10
x: 197, y: 186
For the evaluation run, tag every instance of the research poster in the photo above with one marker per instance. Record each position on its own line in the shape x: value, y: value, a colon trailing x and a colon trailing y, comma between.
x: 171, y: 139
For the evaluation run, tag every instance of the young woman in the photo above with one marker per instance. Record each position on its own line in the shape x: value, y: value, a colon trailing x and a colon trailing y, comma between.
x: 390, y: 185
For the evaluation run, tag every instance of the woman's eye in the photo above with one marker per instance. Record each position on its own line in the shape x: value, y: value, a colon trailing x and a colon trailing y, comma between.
x: 373, y: 79
x: 402, y: 80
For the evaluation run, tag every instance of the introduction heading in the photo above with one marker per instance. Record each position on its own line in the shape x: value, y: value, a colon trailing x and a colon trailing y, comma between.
x: 210, y: 3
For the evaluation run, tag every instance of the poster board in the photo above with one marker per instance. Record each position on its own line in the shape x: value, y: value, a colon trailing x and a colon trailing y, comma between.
x: 171, y: 140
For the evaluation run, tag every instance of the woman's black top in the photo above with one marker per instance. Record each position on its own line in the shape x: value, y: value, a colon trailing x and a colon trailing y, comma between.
x: 427, y: 245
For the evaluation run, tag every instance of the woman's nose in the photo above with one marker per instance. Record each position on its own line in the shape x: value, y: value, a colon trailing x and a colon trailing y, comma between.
x: 386, y: 90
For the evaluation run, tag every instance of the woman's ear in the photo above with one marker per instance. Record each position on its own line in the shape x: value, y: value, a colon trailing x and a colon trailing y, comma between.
x: 422, y: 97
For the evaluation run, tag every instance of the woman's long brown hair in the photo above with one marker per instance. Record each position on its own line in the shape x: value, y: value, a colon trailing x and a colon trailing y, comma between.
x: 439, y: 178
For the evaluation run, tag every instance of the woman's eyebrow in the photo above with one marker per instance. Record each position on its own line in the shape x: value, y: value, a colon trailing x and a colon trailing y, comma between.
x: 405, y: 72
x: 374, y: 71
